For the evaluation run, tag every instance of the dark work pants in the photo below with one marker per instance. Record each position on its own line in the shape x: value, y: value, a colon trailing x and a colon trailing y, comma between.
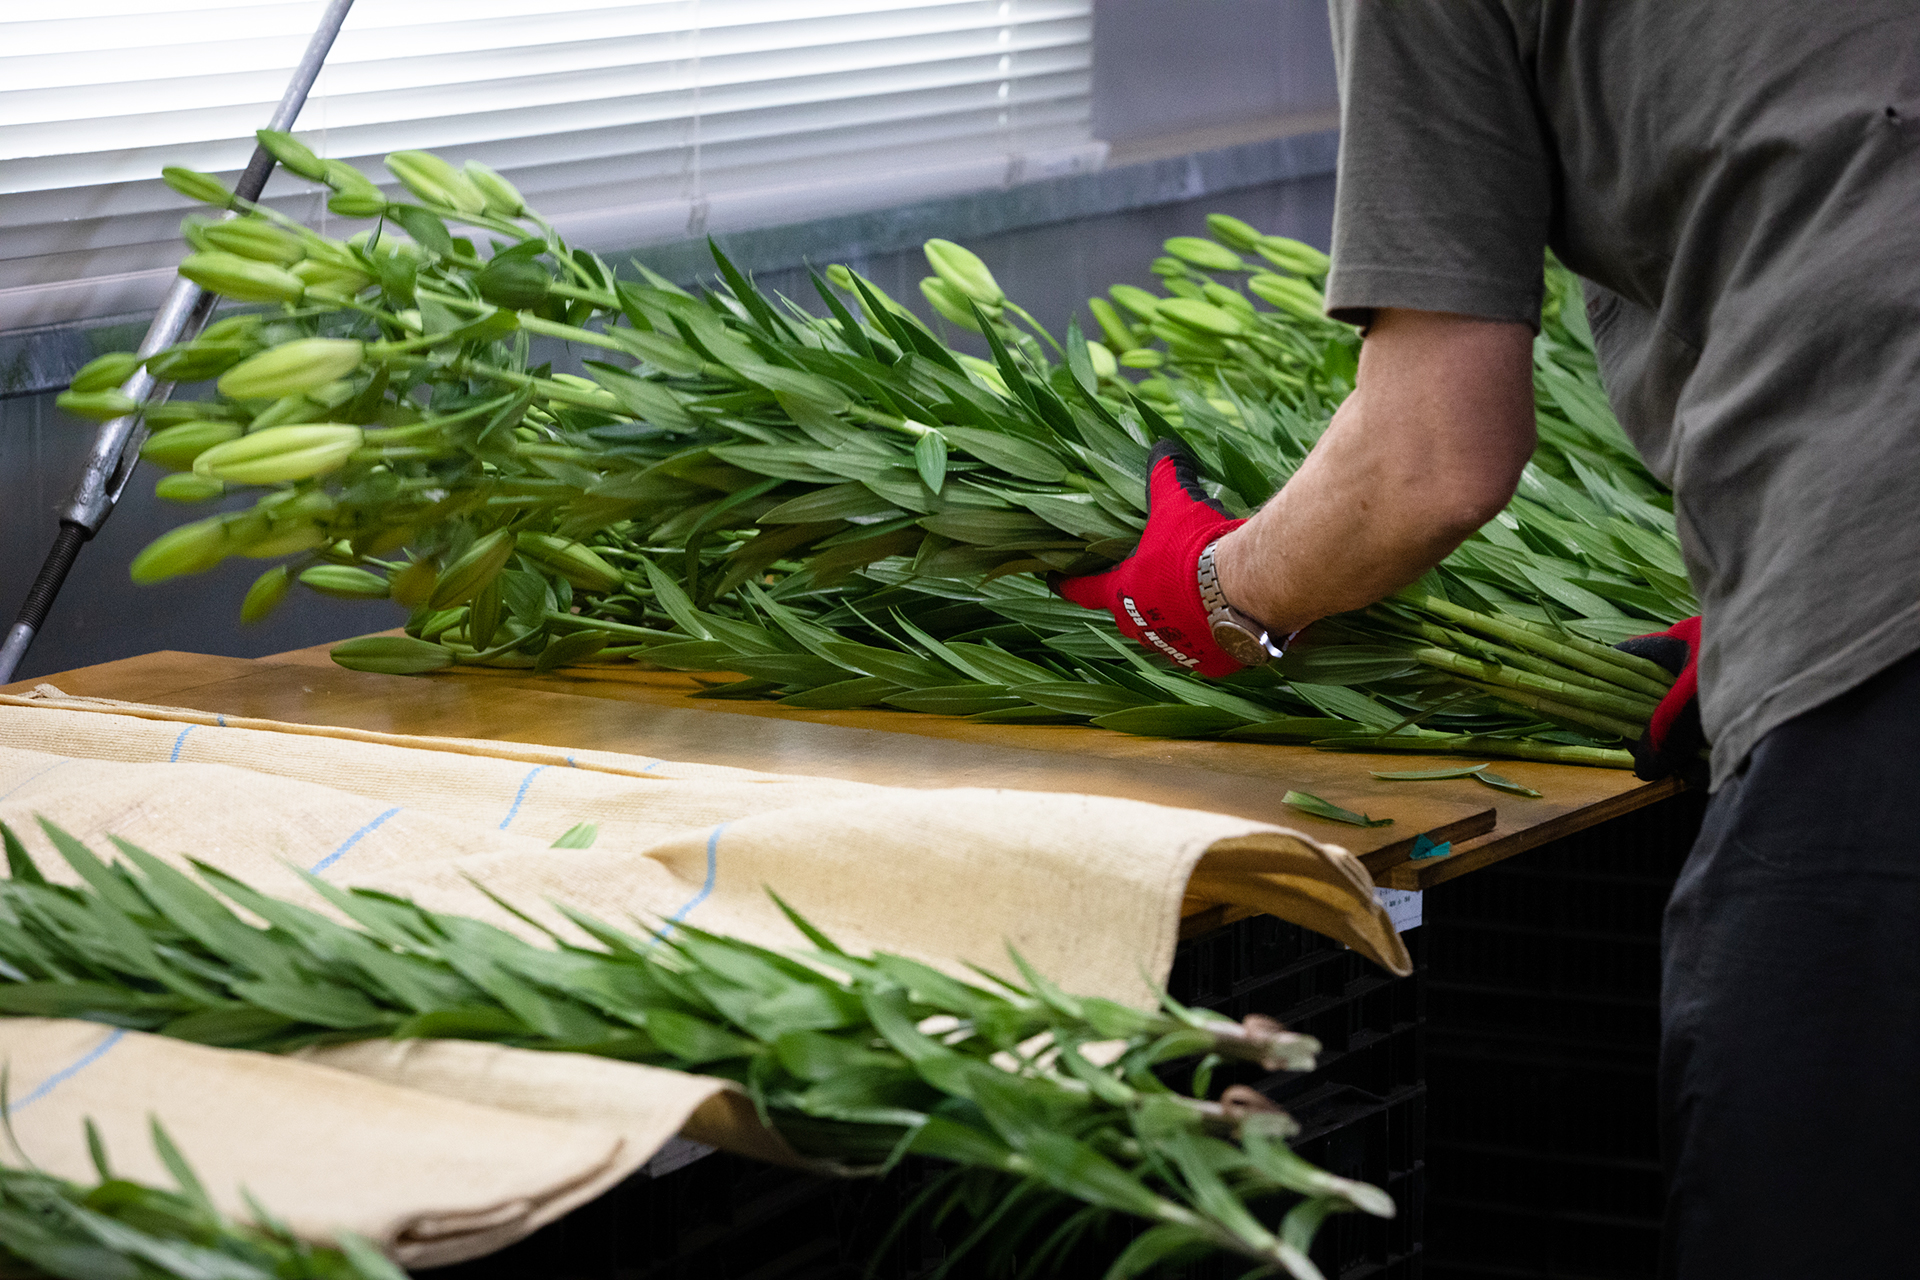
x: 1790, y: 1005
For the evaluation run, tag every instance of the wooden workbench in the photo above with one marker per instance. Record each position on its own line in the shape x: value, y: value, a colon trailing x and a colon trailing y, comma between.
x: 620, y: 707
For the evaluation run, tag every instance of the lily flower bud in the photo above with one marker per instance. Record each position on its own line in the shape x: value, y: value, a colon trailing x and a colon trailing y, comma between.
x: 98, y: 406
x: 344, y: 582
x: 254, y: 238
x: 962, y: 268
x: 195, y: 185
x: 266, y: 593
x: 503, y: 198
x: 242, y: 279
x: 472, y: 570
x: 953, y: 304
x: 292, y: 367
x: 1296, y: 297
x: 279, y: 454
x: 191, y: 548
x: 413, y: 586
x: 435, y: 181
x: 104, y: 373
x: 1205, y: 254
x: 176, y: 447
x: 1232, y: 232
x: 580, y: 566
x: 293, y: 155
x: 185, y: 487
x: 1292, y: 255
x: 392, y: 655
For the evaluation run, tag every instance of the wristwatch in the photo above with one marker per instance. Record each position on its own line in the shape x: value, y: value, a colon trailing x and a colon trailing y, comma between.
x: 1243, y: 639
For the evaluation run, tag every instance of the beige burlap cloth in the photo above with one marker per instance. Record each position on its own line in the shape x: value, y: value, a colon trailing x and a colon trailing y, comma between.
x: 447, y: 1150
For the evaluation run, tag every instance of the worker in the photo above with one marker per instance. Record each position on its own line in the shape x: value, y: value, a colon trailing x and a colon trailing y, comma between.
x: 1738, y: 182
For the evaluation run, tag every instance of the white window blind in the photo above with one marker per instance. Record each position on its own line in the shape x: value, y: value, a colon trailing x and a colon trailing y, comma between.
x: 626, y: 123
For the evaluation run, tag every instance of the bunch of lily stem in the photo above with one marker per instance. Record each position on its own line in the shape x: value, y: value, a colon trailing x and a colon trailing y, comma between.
x: 858, y: 1060
x: 842, y: 509
x: 118, y: 1229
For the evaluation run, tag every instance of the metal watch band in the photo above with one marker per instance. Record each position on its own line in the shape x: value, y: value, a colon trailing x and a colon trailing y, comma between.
x: 1243, y: 639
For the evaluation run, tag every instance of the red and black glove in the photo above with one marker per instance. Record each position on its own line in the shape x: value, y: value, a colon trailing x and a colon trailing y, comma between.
x: 1673, y: 741
x: 1154, y: 594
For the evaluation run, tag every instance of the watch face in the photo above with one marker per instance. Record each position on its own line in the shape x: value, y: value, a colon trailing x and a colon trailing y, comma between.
x: 1240, y: 644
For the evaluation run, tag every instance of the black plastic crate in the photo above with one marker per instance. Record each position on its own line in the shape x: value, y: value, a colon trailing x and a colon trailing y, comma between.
x: 1541, y: 1052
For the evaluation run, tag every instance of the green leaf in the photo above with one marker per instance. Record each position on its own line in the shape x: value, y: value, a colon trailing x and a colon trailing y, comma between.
x: 580, y: 835
x: 1499, y: 783
x: 1011, y: 454
x: 1319, y: 808
x: 1079, y: 697
x: 930, y: 460
x: 851, y: 500
x: 1169, y: 720
x: 844, y: 695
x: 1167, y: 1243
x: 569, y: 649
x: 1429, y: 775
x: 693, y: 1041
x: 955, y: 699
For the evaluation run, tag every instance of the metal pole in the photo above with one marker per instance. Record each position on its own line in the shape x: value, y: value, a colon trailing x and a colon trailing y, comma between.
x: 116, y: 449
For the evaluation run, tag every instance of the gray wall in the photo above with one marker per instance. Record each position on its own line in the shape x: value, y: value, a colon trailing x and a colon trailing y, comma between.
x: 1163, y: 67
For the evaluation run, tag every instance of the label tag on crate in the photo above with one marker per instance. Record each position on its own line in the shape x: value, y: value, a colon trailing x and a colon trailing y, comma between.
x: 1403, y: 907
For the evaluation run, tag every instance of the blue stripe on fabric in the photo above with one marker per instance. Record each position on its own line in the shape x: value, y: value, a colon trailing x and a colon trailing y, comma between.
x: 67, y: 1073
x: 35, y: 778
x: 655, y: 765
x: 220, y: 720
x: 571, y: 764
x: 525, y: 782
x: 180, y: 742
x: 351, y: 841
x: 706, y: 890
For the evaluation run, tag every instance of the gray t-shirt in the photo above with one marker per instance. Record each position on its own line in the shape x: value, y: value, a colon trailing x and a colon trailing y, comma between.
x: 1739, y: 183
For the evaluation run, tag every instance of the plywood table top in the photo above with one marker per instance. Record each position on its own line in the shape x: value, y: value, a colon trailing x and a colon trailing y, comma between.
x: 620, y: 707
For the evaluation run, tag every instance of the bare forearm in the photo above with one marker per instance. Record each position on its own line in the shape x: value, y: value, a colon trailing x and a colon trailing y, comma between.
x: 1427, y: 449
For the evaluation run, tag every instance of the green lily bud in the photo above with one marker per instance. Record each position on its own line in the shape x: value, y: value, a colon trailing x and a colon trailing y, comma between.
x: 289, y: 411
x: 98, y: 406
x: 176, y: 447
x: 358, y: 204
x: 1201, y: 316
x: 1104, y: 365
x: 347, y: 180
x: 344, y: 582
x: 1119, y: 337
x: 392, y: 655
x: 107, y: 372
x: 280, y: 454
x: 1232, y: 232
x: 276, y: 538
x: 329, y: 280
x: 435, y: 181
x: 413, y: 586
x: 195, y: 185
x: 1292, y: 255
x: 242, y: 279
x: 1169, y: 268
x: 1142, y: 358
x: 193, y: 229
x: 266, y: 593
x: 503, y: 198
x: 952, y: 303
x: 175, y: 412
x: 962, y: 268
x: 1205, y: 254
x: 572, y: 561
x: 1227, y: 299
x: 394, y: 246
x: 513, y: 283
x: 840, y: 277
x: 985, y: 370
x: 474, y: 569
x: 197, y: 361
x: 292, y: 154
x: 191, y: 548
x: 1296, y: 297
x: 233, y: 329
x: 1139, y: 301
x: 295, y: 504
x: 185, y: 487
x: 291, y: 367
x: 431, y: 624
x: 1189, y: 344
x: 255, y: 238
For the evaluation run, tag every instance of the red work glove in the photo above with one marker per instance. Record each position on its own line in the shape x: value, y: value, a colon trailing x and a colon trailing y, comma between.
x: 1154, y: 594
x: 1673, y: 740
